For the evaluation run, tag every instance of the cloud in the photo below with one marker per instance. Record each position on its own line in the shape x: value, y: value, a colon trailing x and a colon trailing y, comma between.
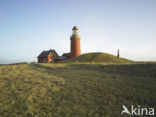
x: 19, y: 37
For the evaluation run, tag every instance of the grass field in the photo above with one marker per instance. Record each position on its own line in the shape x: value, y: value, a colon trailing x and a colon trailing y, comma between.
x: 98, y: 57
x: 75, y: 90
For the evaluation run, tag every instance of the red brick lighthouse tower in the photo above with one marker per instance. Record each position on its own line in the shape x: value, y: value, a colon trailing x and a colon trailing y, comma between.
x: 75, y: 49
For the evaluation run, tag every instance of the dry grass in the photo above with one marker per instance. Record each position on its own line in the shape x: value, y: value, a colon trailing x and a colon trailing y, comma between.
x: 75, y: 90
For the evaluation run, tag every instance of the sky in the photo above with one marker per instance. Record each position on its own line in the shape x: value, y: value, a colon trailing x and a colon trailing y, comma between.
x: 27, y: 27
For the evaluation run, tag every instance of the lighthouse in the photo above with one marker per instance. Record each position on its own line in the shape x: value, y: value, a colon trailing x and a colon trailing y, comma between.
x: 75, y: 48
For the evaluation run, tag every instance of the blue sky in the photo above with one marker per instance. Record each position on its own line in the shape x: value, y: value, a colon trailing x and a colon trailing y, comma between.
x: 28, y: 27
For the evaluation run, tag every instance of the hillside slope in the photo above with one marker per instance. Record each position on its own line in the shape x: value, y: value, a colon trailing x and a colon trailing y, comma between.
x: 99, y: 57
x: 75, y: 90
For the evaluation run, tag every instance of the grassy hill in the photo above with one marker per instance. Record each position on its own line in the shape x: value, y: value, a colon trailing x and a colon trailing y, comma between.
x: 99, y: 57
x: 75, y: 90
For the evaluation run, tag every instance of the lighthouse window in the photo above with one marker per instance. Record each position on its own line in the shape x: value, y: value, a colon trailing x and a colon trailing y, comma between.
x: 75, y: 31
